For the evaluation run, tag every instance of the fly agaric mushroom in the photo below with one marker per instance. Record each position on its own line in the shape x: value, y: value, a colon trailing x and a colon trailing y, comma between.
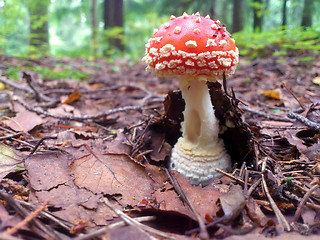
x: 196, y: 49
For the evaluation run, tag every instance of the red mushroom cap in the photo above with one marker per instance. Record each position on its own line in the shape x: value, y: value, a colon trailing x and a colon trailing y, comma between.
x: 191, y: 45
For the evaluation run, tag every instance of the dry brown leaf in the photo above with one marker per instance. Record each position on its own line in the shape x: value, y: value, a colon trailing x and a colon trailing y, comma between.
x: 112, y: 174
x: 255, y: 213
x: 274, y: 93
x: 74, y: 96
x: 25, y: 121
x: 203, y: 199
x: 232, y: 203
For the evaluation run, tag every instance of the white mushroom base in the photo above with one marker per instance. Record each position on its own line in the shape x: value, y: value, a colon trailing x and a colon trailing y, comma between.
x: 199, y: 166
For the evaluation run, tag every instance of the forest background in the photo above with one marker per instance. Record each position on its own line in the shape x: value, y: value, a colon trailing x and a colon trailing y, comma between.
x: 120, y: 28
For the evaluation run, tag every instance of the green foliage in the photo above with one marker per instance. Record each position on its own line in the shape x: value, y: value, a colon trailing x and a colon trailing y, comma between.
x: 66, y: 73
x: 13, y: 73
x: 278, y: 41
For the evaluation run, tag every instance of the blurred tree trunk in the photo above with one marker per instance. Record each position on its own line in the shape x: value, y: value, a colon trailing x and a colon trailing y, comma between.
x: 238, y: 15
x: 212, y: 9
x: 284, y: 13
x: 93, y: 17
x: 307, y: 13
x: 257, y: 16
x: 113, y: 17
x: 38, y: 28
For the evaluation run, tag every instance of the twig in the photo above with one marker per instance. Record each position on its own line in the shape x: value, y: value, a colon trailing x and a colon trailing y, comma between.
x: 267, y: 116
x: 62, y: 223
x: 11, y: 136
x: 281, y: 219
x: 202, y: 227
x: 253, y: 187
x: 76, y: 118
x: 25, y: 221
x: 312, y: 125
x: 23, y: 213
x: 15, y: 85
x: 231, y: 176
x: 39, y: 142
x: 133, y: 222
x: 303, y: 201
x: 39, y: 96
x: 284, y: 85
x: 105, y: 229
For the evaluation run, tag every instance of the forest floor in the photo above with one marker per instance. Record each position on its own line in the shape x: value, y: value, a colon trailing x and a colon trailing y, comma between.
x: 79, y: 159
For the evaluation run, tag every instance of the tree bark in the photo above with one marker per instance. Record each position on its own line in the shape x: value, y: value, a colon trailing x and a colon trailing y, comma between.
x: 38, y: 28
x: 307, y: 13
x: 257, y: 17
x: 212, y: 9
x: 284, y: 13
x: 238, y: 15
x: 113, y: 17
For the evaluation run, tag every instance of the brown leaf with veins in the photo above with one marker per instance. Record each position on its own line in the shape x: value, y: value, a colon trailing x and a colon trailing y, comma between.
x: 25, y: 121
x: 112, y: 174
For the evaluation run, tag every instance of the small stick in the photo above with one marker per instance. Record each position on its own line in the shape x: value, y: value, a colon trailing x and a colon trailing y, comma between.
x: 11, y: 136
x: 62, y: 223
x: 267, y: 116
x: 281, y: 219
x: 231, y: 176
x: 133, y: 222
x: 105, y: 229
x: 202, y: 227
x: 312, y: 125
x: 25, y: 221
x: 253, y: 187
x: 303, y: 201
x: 284, y: 85
x: 39, y: 142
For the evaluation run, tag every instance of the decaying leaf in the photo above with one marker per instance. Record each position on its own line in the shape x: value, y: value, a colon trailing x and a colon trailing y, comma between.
x: 255, y: 213
x: 9, y: 158
x: 112, y: 174
x: 203, y: 199
x: 232, y: 203
x: 25, y: 121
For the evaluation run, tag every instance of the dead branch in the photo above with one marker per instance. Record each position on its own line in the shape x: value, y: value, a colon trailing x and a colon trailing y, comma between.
x: 267, y: 116
x: 312, y: 125
x: 202, y: 227
x: 48, y: 233
x: 231, y: 176
x: 75, y: 118
x: 25, y: 221
x: 15, y: 85
x: 105, y: 229
x: 62, y: 223
x: 38, y: 95
x: 281, y: 219
x: 303, y: 201
x: 133, y: 222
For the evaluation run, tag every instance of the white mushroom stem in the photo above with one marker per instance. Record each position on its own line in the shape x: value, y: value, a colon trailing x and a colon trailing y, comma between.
x: 199, y: 151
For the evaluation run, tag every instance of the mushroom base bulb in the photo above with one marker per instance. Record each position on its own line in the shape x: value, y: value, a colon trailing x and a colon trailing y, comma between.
x: 198, y: 165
